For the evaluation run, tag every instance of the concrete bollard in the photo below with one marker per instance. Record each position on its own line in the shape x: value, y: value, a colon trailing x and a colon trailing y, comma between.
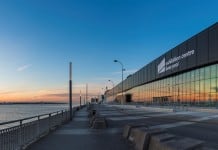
x: 99, y: 123
x: 77, y: 108
x: 157, y: 140
x: 91, y: 120
x: 183, y: 144
x: 140, y: 137
x: 175, y: 144
x: 92, y: 113
x: 144, y: 138
x: 126, y: 131
x: 129, y: 127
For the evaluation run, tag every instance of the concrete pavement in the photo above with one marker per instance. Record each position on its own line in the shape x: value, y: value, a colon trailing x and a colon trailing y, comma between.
x: 77, y: 134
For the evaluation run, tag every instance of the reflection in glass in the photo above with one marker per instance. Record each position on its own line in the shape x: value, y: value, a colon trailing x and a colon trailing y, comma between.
x: 199, y: 86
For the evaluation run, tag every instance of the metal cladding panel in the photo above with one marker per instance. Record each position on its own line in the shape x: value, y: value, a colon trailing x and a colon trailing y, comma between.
x: 191, y: 47
x: 116, y: 89
x: 134, y: 79
x: 138, y: 75
x: 127, y: 83
x: 182, y: 50
x: 141, y: 76
x: 120, y: 87
x: 137, y: 78
x: 145, y: 74
x: 202, y: 48
x: 213, y: 44
x: 153, y: 70
x: 131, y: 81
x: 168, y: 57
x: 175, y: 54
x: 149, y: 71
x: 124, y: 84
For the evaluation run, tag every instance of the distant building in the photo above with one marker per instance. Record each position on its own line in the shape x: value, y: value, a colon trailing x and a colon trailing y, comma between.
x: 186, y: 74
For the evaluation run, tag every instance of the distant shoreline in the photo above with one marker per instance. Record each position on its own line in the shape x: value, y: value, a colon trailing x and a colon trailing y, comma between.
x: 10, y: 103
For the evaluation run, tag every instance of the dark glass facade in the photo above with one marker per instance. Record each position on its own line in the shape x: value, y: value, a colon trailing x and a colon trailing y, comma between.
x: 187, y: 73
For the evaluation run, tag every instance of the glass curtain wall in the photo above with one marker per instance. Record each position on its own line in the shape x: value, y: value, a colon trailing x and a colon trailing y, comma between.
x: 196, y: 87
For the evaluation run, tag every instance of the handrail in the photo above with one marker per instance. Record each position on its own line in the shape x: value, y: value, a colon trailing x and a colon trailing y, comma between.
x: 28, y: 118
x: 22, y: 132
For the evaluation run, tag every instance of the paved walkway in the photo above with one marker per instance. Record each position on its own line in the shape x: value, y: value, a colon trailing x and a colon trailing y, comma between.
x: 77, y: 135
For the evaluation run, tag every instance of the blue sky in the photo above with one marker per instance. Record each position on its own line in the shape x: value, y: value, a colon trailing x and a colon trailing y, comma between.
x: 39, y: 38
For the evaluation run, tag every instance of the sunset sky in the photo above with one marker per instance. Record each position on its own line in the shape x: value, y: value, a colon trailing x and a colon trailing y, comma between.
x: 38, y: 39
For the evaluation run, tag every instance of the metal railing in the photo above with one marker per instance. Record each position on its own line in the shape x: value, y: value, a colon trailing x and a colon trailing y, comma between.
x: 17, y: 134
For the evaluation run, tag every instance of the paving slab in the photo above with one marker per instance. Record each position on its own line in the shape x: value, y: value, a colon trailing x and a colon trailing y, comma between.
x: 77, y: 135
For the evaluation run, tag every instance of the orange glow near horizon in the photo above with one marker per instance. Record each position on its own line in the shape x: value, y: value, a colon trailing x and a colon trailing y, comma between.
x: 50, y: 95
x: 31, y: 97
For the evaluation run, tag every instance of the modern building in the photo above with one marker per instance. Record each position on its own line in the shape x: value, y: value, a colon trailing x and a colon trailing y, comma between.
x: 187, y: 74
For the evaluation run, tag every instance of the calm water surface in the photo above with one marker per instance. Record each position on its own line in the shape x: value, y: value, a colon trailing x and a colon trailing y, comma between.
x: 19, y: 111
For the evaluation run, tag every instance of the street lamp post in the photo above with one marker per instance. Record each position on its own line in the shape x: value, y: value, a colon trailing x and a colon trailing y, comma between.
x: 113, y: 87
x: 70, y: 90
x: 86, y: 93
x: 80, y: 99
x: 102, y: 93
x: 122, y: 101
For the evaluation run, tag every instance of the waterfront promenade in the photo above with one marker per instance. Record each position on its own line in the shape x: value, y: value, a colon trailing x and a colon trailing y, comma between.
x: 77, y: 134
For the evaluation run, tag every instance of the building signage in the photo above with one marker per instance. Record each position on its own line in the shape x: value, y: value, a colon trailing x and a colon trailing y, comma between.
x: 161, y: 67
x: 172, y: 62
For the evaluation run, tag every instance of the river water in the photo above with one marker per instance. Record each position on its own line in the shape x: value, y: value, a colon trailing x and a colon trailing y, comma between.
x: 19, y: 111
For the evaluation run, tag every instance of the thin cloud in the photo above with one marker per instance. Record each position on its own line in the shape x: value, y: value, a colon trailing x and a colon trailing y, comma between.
x: 11, y: 91
x: 7, y: 92
x: 24, y: 67
x: 57, y: 95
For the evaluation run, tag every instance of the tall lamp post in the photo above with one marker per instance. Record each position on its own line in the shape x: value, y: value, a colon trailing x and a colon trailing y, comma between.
x: 113, y: 87
x: 86, y: 93
x: 70, y: 90
x: 122, y: 101
x: 80, y: 99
